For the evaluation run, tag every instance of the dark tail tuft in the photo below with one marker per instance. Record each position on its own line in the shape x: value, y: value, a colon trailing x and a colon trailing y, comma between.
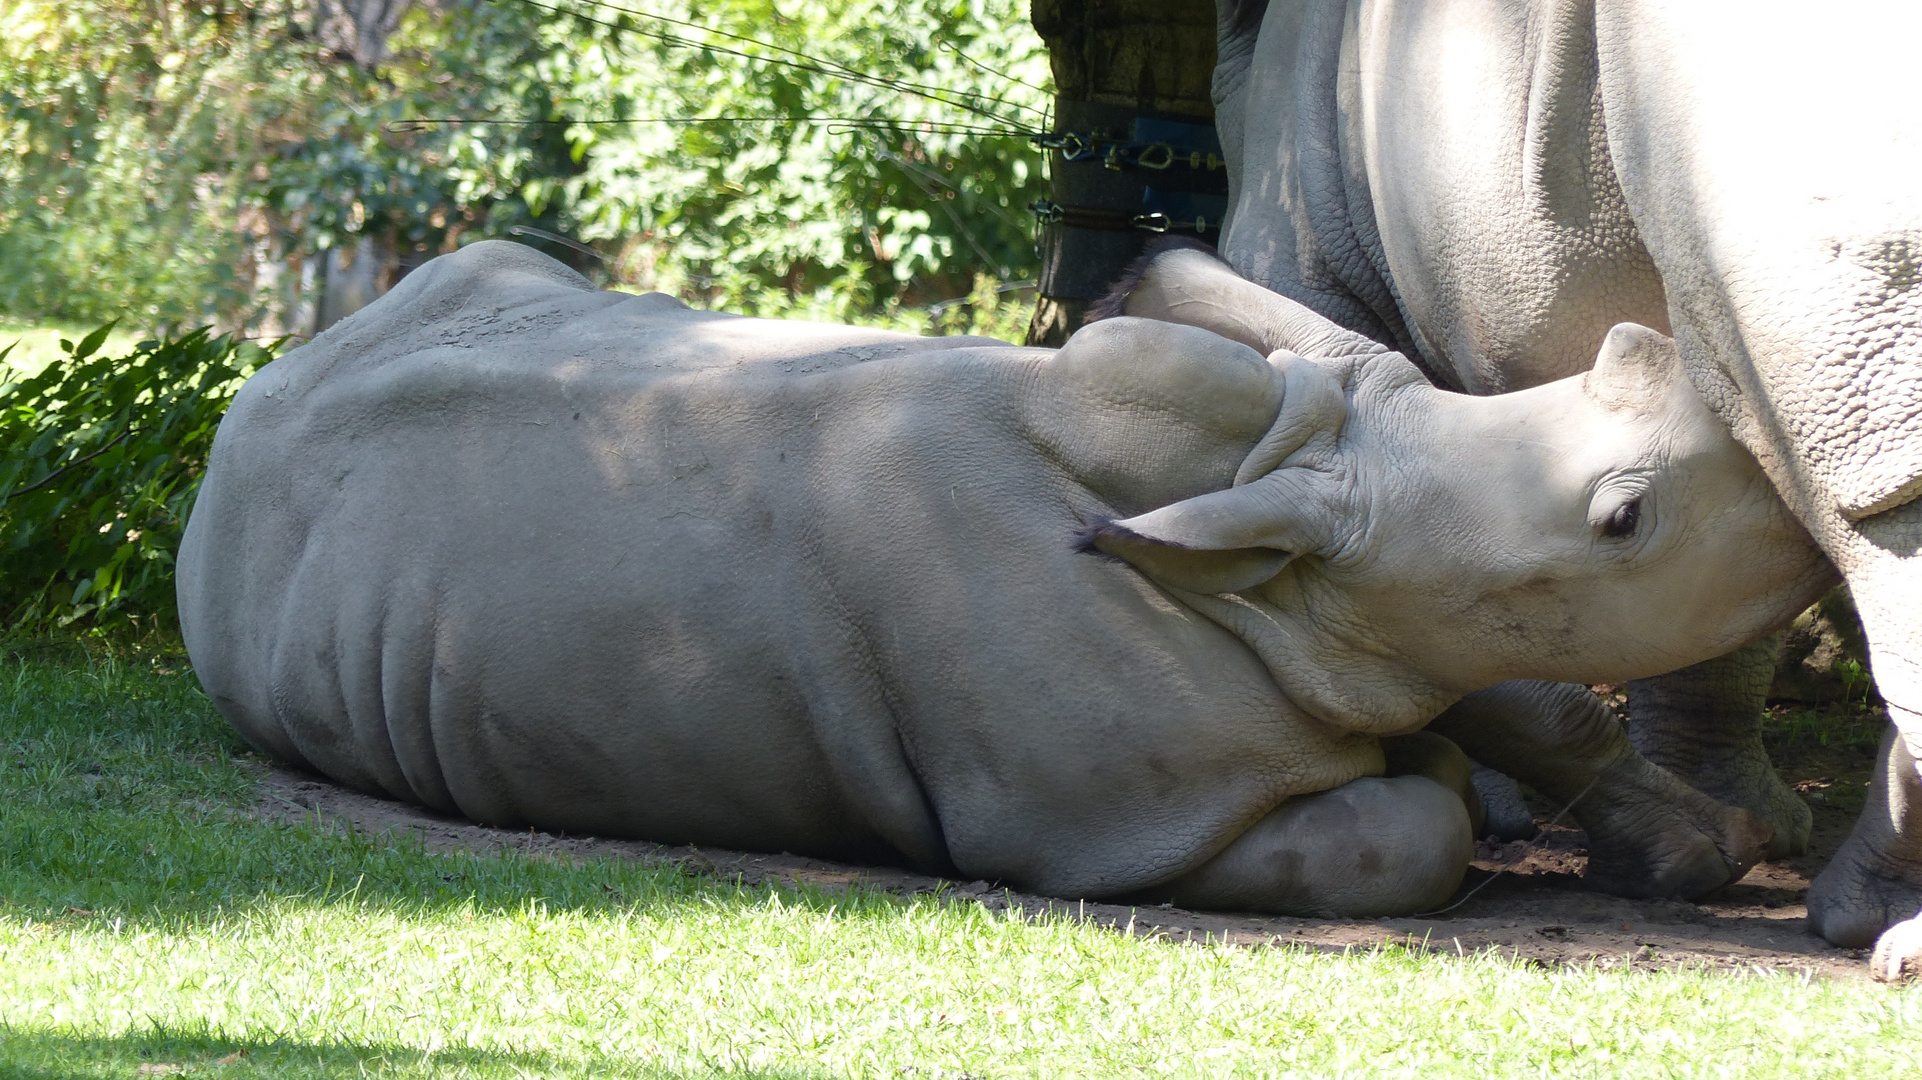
x: 1098, y: 528
x: 1085, y: 536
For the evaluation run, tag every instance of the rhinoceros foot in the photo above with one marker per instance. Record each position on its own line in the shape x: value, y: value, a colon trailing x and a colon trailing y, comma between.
x: 1862, y: 897
x: 1898, y: 952
x: 1704, y: 724
x: 1742, y: 775
x: 1871, y: 891
x: 1650, y: 835
x: 1506, y: 813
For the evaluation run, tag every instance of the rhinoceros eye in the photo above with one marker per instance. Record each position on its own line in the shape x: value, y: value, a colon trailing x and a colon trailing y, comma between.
x: 1624, y: 521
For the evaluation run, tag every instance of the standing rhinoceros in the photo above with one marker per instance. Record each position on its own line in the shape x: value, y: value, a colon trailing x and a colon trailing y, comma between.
x: 1490, y: 185
x: 1126, y: 618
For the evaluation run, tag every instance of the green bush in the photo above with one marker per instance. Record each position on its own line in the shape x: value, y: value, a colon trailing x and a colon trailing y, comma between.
x: 173, y: 163
x: 100, y: 458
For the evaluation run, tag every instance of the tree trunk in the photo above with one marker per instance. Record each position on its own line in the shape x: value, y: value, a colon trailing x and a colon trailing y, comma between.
x: 1116, y: 61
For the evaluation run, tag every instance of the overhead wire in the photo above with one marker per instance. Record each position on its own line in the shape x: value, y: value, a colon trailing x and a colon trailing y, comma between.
x: 913, y: 172
x: 825, y: 63
x: 835, y: 124
x: 812, y: 65
x: 968, y: 101
x: 962, y: 53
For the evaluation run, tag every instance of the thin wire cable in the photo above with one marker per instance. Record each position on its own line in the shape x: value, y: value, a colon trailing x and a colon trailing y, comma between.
x: 909, y: 170
x: 1512, y: 863
x: 834, y: 123
x: 879, y: 82
x: 923, y: 127
x: 529, y: 230
x: 999, y: 99
x: 914, y: 169
x: 958, y: 51
x: 835, y: 64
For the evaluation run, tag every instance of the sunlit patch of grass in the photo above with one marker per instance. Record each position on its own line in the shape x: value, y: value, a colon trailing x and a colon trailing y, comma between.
x: 1841, y: 725
x: 38, y: 344
x: 151, y: 926
x: 1827, y: 751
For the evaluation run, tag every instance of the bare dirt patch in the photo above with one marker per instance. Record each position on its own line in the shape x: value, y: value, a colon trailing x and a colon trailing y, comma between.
x: 1535, y: 908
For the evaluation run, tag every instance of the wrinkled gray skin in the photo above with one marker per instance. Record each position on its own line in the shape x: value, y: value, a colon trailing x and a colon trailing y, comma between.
x: 1491, y: 184
x: 1648, y: 834
x: 1127, y: 619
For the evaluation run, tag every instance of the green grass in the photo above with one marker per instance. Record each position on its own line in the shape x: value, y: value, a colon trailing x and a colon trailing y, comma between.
x: 38, y: 344
x: 148, y: 922
x: 1826, y: 752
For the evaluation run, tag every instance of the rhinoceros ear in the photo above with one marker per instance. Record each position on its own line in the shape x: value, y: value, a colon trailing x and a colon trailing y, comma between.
x: 1224, y: 541
x: 1313, y: 409
x: 1635, y: 368
x: 1146, y: 544
x: 1227, y: 541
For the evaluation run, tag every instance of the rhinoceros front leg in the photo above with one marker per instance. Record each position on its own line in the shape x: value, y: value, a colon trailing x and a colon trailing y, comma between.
x: 1704, y: 724
x: 1875, y: 878
x: 1375, y: 846
x: 1649, y: 834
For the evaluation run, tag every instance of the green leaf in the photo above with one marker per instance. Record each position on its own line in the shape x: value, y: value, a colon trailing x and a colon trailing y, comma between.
x: 94, y: 453
x: 93, y: 341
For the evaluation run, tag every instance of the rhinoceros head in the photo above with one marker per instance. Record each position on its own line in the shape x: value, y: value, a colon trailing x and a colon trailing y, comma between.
x: 1386, y: 545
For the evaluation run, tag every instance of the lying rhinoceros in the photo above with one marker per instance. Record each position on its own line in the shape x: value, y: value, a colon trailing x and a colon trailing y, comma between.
x: 1128, y: 618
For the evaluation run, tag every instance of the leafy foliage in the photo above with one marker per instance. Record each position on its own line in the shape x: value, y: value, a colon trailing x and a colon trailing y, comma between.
x: 109, y: 139
x: 887, y: 166
x: 100, y: 459
x: 176, y: 162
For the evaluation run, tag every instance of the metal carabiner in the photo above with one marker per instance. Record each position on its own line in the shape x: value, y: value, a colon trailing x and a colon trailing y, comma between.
x: 1045, y: 212
x: 1072, y: 145
x: 1163, y: 156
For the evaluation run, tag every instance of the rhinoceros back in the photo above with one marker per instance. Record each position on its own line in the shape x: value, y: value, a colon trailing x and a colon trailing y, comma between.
x: 511, y: 547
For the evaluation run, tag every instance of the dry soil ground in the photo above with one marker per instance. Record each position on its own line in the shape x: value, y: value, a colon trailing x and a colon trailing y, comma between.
x: 1535, y: 907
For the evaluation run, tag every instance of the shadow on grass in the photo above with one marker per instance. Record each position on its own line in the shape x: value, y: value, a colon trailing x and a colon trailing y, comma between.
x: 95, y: 856
x: 159, y: 1051
x: 126, y: 797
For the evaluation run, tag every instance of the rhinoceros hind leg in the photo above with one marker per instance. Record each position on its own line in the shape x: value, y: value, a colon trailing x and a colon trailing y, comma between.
x: 1649, y: 834
x: 1374, y: 846
x: 1704, y: 724
x: 1872, y: 888
x: 1425, y: 753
